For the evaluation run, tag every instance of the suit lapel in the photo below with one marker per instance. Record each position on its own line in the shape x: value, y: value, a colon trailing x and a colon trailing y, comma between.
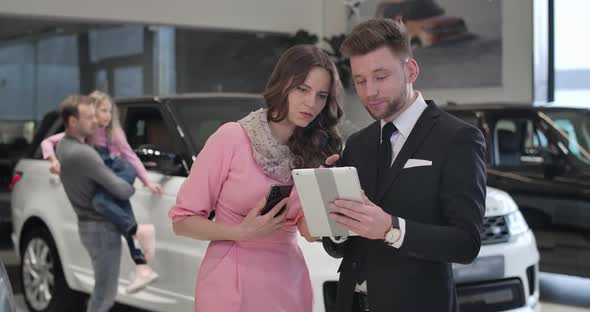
x: 419, y: 133
x: 371, y: 144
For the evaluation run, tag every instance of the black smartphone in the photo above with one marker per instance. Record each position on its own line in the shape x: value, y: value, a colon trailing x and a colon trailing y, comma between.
x: 275, y: 195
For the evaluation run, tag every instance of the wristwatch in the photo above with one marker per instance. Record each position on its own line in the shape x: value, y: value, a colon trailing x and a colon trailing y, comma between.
x: 394, y: 233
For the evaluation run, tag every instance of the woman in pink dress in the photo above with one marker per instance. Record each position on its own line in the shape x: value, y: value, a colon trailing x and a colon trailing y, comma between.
x: 253, y: 262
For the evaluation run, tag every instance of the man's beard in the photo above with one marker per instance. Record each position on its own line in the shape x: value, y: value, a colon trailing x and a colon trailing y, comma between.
x: 393, y: 106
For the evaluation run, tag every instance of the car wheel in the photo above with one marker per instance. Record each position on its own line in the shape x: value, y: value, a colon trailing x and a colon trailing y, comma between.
x: 43, y: 282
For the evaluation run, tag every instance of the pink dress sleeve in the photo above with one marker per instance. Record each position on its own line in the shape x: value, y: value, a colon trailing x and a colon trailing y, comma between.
x: 120, y: 142
x: 48, y: 145
x: 200, y: 191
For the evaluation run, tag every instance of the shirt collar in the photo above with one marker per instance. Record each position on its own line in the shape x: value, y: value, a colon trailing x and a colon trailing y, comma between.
x: 407, y: 119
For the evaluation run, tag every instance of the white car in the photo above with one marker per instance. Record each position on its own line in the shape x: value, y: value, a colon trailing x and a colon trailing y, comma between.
x: 166, y: 132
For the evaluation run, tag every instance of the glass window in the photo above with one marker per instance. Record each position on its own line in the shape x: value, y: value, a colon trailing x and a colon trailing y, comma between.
x: 572, y: 65
x: 57, y: 71
x: 115, y: 42
x: 574, y: 125
x: 128, y: 81
x: 518, y: 141
x: 151, y: 139
x: 225, y: 61
x: 17, y: 73
x: 201, y: 117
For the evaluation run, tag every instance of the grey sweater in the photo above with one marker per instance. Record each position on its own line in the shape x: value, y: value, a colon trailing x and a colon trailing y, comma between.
x: 82, y: 172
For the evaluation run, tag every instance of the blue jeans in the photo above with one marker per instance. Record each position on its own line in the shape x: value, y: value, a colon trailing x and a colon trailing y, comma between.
x: 118, y: 211
x: 103, y: 243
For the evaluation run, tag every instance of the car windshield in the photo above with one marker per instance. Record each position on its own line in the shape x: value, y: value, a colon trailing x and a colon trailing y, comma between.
x: 575, y: 127
x: 200, y: 117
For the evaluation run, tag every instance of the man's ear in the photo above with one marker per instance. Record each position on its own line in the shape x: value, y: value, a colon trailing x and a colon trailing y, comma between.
x: 70, y: 122
x: 412, y: 70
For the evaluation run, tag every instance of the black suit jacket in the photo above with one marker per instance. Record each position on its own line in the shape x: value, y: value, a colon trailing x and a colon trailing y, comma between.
x: 443, y: 205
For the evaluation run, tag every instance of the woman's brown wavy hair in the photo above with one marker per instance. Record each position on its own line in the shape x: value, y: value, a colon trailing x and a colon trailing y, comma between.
x: 320, y: 139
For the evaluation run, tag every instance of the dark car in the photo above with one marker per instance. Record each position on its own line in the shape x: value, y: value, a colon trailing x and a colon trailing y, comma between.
x: 541, y: 156
x: 15, y: 139
x: 425, y: 21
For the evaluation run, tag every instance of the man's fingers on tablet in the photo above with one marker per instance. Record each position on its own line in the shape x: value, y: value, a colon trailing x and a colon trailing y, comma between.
x: 344, y: 219
x: 352, y: 227
x: 347, y: 204
x: 367, y: 200
x: 350, y: 213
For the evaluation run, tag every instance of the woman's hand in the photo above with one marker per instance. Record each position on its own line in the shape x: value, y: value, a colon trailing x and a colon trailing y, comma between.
x: 304, y: 230
x: 154, y: 188
x: 255, y: 225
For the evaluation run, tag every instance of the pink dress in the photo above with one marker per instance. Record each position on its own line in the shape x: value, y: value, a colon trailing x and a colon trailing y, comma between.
x: 119, y: 148
x: 266, y: 274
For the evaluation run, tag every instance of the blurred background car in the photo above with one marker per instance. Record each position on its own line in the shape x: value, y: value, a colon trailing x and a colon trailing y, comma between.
x: 15, y: 139
x: 6, y: 294
x: 425, y: 21
x: 540, y: 156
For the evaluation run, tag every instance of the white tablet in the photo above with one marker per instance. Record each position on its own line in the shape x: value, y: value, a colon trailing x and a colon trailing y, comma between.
x: 317, y: 188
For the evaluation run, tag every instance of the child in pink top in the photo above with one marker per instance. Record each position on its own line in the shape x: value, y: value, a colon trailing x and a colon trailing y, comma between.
x: 253, y: 262
x: 111, y: 144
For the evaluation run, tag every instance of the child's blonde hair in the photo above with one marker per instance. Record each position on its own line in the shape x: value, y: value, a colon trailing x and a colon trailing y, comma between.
x: 99, y: 98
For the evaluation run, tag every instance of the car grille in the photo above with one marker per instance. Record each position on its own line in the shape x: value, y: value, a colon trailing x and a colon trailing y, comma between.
x: 494, y: 230
x: 491, y: 296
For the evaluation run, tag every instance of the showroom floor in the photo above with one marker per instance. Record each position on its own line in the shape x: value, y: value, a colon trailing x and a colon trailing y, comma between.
x: 559, y: 293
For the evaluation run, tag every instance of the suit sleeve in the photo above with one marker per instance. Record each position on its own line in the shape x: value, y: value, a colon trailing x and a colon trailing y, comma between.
x: 462, y: 202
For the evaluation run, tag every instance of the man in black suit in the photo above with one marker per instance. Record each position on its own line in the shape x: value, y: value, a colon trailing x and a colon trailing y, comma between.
x: 423, y: 174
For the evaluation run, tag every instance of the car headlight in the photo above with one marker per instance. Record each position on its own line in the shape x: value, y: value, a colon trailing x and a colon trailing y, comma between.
x: 516, y: 223
x: 499, y: 203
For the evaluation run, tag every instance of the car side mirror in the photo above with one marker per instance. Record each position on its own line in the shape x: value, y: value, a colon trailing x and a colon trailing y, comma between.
x: 158, y: 158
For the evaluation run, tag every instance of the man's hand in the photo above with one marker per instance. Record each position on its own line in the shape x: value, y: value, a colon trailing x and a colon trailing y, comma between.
x: 331, y: 160
x: 366, y: 219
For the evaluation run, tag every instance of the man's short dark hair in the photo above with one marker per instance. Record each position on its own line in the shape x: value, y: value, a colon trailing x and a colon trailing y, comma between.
x: 69, y: 106
x: 374, y: 34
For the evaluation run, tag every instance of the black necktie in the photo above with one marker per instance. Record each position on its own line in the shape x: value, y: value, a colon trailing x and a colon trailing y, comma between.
x: 385, y: 156
x: 385, y: 149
